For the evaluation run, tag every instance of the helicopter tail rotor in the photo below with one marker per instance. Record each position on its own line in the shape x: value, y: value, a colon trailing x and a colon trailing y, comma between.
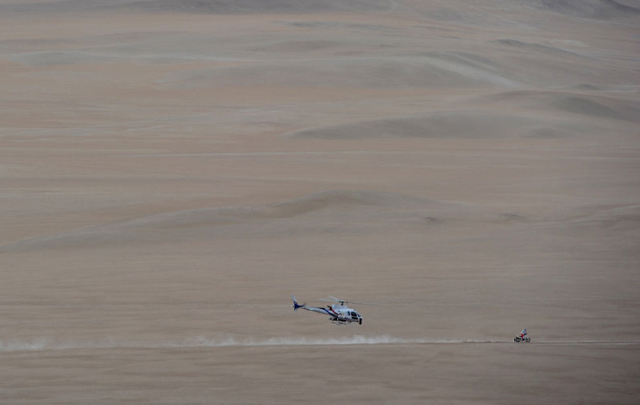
x: 295, y: 305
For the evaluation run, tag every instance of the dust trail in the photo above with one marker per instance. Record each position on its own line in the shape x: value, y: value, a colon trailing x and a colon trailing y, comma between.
x: 41, y: 344
x: 19, y: 346
x: 44, y: 344
x: 301, y: 341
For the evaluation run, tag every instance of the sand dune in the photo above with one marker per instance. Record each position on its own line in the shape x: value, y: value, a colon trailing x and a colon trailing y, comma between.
x: 55, y: 58
x: 333, y: 63
x: 344, y: 199
x: 453, y: 125
x: 590, y: 106
x: 200, y: 6
x: 379, y: 209
x: 596, y: 9
x: 542, y: 49
x: 422, y: 71
x: 330, y: 212
x: 622, y: 219
x: 172, y: 171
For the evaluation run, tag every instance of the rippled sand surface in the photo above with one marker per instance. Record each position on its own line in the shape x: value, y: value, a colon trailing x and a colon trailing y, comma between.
x: 172, y: 171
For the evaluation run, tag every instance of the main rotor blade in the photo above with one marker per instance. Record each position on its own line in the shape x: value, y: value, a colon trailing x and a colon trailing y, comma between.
x: 337, y: 300
x: 326, y: 300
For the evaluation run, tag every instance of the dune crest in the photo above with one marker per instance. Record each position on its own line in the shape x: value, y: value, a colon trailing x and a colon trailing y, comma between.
x: 448, y: 125
x: 212, y: 222
x: 563, y: 102
x: 201, y: 6
x: 595, y: 9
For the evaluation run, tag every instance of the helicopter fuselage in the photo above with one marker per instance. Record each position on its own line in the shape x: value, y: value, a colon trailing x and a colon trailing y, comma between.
x: 338, y: 313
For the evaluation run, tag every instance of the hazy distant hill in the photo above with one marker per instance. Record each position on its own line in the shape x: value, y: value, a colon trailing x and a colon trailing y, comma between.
x: 598, y: 9
x: 199, y: 6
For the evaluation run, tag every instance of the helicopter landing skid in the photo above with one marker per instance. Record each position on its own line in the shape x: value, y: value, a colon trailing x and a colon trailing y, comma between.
x: 336, y: 322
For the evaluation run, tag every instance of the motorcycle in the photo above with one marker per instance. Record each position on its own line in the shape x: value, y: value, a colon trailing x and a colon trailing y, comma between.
x: 519, y: 339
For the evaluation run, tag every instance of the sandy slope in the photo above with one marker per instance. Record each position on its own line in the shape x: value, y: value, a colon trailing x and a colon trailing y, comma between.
x: 172, y: 171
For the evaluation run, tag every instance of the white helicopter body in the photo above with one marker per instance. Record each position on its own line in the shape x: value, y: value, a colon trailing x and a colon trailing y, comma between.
x: 338, y: 313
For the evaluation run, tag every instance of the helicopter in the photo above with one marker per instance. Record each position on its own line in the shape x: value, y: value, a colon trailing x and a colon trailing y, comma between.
x: 338, y: 313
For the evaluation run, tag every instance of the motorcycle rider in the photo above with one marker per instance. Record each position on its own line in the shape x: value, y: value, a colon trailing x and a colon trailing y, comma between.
x: 523, y: 334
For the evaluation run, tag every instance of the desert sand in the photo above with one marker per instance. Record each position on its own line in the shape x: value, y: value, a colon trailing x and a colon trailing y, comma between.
x: 172, y: 171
